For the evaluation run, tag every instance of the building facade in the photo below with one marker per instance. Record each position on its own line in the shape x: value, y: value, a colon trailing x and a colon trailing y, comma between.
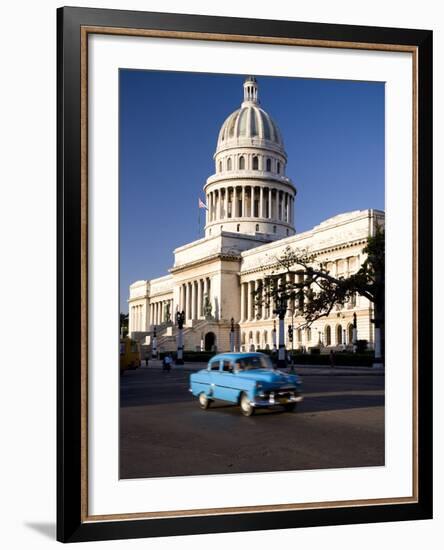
x: 249, y: 224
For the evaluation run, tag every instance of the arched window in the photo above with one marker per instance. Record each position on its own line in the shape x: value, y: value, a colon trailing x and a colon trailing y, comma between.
x: 299, y: 335
x: 257, y: 227
x: 338, y: 335
x: 327, y: 335
x: 238, y: 227
x: 350, y: 334
x: 308, y: 333
x: 278, y: 167
x: 229, y: 164
x: 268, y: 165
x: 241, y: 163
x: 255, y: 163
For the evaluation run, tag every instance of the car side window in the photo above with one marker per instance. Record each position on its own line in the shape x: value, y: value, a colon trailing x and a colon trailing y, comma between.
x: 227, y: 367
x: 214, y: 365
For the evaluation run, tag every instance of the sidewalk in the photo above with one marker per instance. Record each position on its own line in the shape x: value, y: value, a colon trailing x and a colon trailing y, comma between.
x: 303, y: 370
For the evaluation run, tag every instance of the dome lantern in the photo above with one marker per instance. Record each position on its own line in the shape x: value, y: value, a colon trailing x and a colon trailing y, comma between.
x: 250, y: 91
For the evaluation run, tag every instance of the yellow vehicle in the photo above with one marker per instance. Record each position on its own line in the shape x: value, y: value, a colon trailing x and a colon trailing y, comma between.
x: 129, y: 354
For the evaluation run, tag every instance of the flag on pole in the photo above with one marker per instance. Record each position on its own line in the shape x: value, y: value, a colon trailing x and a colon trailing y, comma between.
x: 202, y: 204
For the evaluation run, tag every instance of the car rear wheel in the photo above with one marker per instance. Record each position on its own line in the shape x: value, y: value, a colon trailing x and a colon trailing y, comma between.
x: 246, y: 408
x: 204, y: 402
x: 289, y: 407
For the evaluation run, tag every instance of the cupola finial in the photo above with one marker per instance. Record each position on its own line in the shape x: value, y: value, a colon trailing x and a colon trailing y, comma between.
x: 251, y: 90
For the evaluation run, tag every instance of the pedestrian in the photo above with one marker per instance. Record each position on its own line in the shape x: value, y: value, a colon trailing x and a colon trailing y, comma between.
x: 332, y: 358
x: 167, y: 362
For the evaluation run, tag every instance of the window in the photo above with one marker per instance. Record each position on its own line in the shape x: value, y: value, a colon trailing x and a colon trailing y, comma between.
x: 288, y: 232
x: 308, y: 333
x: 253, y: 363
x: 339, y: 335
x: 257, y: 227
x: 214, y: 365
x: 328, y: 335
x: 220, y: 166
x: 255, y: 163
x: 278, y: 167
x: 268, y: 165
x: 238, y: 227
x: 274, y: 229
x: 226, y: 366
x: 242, y: 163
x: 229, y: 164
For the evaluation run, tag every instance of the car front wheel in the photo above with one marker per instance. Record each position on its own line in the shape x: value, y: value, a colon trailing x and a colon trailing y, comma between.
x: 204, y: 402
x: 289, y: 407
x: 246, y: 408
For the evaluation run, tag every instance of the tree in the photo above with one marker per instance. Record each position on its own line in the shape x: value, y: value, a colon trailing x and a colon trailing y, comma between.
x: 303, y: 278
x: 123, y: 324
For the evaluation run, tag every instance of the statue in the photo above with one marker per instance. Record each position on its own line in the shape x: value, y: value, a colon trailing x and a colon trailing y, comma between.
x: 207, y: 307
x: 167, y: 318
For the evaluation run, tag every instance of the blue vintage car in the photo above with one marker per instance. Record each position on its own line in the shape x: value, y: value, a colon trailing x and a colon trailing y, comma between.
x: 246, y: 379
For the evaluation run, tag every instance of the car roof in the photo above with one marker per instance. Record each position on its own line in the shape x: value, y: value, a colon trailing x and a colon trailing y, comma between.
x: 232, y: 356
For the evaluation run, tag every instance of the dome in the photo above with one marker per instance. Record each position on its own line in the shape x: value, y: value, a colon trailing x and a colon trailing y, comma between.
x: 250, y: 122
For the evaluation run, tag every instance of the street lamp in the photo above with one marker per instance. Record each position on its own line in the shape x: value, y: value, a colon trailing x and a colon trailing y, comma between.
x: 274, y: 336
x: 355, y: 333
x: 232, y: 335
x: 180, y: 320
x: 154, y: 346
x: 290, y: 337
x: 281, y: 310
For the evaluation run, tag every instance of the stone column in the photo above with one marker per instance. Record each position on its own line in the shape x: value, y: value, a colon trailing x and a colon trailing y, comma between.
x: 261, y: 203
x: 243, y: 201
x: 281, y: 206
x: 193, y: 299
x: 183, y: 306
x: 242, y: 301
x: 270, y: 215
x: 226, y: 203
x: 249, y: 300
x: 199, y: 299
x: 189, y: 298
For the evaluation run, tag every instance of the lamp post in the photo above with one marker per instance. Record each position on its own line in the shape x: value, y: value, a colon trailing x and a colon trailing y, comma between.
x: 281, y: 310
x: 290, y: 337
x: 355, y: 333
x: 274, y: 336
x: 232, y: 335
x: 154, y: 346
x: 180, y: 319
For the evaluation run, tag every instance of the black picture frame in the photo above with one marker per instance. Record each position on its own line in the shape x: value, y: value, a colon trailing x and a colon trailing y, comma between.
x: 72, y: 523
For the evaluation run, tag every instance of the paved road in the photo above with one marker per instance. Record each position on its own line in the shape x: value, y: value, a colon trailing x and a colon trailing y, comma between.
x: 164, y: 433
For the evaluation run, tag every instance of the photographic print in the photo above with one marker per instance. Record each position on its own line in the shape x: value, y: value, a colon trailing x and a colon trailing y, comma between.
x: 243, y: 207
x: 252, y: 273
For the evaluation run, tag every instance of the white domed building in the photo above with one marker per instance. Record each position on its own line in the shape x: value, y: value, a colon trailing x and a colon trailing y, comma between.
x: 250, y: 204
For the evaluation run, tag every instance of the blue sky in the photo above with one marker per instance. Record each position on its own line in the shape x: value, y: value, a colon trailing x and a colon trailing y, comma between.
x: 333, y: 133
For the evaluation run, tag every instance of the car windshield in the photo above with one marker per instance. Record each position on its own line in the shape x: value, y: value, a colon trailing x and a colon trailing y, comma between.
x: 253, y: 362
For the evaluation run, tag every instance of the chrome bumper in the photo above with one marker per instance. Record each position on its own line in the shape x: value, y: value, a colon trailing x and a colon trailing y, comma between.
x: 271, y: 401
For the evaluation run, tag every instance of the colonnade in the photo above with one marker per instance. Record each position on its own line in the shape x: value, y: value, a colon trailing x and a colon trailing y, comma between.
x: 250, y: 201
x: 158, y: 312
x: 192, y: 297
x: 136, y: 320
x: 251, y: 309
